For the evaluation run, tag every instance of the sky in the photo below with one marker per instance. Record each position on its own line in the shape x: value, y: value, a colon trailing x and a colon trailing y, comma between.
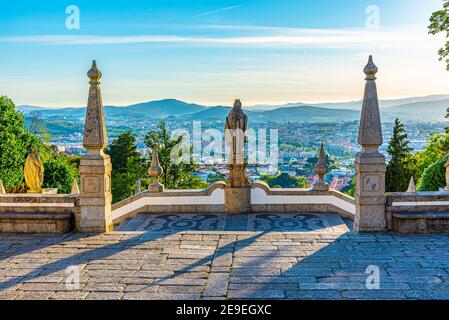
x: 211, y: 52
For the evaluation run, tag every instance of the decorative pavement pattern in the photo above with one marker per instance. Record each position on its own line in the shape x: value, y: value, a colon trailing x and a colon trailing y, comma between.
x: 170, y: 223
x: 225, y: 264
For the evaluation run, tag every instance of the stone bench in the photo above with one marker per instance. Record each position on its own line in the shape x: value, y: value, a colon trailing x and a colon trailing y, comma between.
x: 45, y: 223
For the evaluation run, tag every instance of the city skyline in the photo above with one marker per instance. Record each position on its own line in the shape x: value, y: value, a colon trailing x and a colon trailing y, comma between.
x: 263, y: 52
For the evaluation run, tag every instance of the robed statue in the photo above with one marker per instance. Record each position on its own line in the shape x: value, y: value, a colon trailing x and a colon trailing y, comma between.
x: 34, y: 172
x: 235, y: 132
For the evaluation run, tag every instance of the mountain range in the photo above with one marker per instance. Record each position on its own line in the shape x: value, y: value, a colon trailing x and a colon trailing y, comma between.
x: 428, y: 109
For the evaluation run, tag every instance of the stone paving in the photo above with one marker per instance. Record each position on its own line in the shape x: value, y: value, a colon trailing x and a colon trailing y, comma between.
x: 223, y: 265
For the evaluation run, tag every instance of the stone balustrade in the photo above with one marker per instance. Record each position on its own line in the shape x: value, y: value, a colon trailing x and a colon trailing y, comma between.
x: 39, y: 213
x: 419, y: 212
x: 211, y: 200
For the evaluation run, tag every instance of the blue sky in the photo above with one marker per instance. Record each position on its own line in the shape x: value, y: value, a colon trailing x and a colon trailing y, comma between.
x: 210, y: 52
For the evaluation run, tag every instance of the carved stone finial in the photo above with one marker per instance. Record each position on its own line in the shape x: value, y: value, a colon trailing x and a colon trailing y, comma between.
x: 321, y: 170
x: 411, y: 186
x: 2, y: 188
x: 370, y: 131
x: 370, y: 69
x: 155, y: 172
x: 75, y: 188
x: 94, y: 74
x: 34, y: 172
x: 95, y: 137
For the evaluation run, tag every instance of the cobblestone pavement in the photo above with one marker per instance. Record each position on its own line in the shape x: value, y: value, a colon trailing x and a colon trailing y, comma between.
x: 219, y: 265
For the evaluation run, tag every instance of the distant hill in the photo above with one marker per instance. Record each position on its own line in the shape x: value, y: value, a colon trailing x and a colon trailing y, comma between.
x: 423, y: 111
x: 430, y: 108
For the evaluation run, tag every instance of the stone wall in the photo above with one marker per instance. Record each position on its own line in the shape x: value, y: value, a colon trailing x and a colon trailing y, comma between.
x: 39, y: 213
x: 265, y: 199
x: 420, y: 212
x: 211, y: 200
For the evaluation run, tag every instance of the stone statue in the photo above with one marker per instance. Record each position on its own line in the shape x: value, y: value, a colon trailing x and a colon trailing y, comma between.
x: 235, y: 129
x: 34, y: 172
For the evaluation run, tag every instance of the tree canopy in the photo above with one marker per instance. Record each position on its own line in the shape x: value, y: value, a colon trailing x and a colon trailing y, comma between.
x: 402, y: 165
x: 15, y: 144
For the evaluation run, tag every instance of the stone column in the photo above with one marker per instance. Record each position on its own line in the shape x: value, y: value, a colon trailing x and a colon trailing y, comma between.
x: 95, y: 167
x: 370, y: 163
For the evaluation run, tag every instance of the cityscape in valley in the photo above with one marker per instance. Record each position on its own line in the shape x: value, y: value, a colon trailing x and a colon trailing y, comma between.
x: 301, y: 130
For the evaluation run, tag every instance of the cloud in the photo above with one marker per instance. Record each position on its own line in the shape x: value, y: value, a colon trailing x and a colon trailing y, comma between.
x: 216, y: 11
x: 265, y: 37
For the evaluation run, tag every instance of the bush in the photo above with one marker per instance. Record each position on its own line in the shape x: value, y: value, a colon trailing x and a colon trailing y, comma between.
x: 434, y: 177
x: 59, y: 173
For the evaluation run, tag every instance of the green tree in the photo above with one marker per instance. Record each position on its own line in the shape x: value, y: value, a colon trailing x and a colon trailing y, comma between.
x: 128, y: 166
x: 176, y: 175
x: 439, y: 23
x: 284, y: 180
x: 402, y: 165
x: 59, y: 172
x: 351, y: 187
x: 436, y: 149
x: 434, y: 177
x: 15, y: 144
x: 38, y: 127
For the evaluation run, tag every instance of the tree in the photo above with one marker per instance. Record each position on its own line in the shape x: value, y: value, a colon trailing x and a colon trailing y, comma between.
x: 284, y: 180
x: 128, y: 166
x: 436, y: 149
x: 439, y: 22
x: 15, y: 144
x: 402, y: 165
x: 38, y: 127
x: 434, y: 177
x: 59, y: 172
x: 176, y: 175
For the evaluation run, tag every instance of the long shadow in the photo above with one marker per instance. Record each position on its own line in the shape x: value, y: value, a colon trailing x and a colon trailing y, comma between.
x: 12, y: 245
x: 109, y: 250
x: 410, y: 267
x: 84, y: 257
x: 230, y: 247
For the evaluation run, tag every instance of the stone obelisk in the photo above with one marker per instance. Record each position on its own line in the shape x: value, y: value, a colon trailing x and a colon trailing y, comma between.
x: 370, y: 163
x: 238, y: 188
x: 95, y: 167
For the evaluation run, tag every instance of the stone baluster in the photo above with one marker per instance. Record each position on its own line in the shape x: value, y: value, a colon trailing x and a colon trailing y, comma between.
x: 75, y: 188
x: 321, y: 170
x: 138, y: 187
x: 370, y: 163
x: 155, y: 172
x: 95, y: 167
x: 411, y: 186
x: 447, y: 172
x: 2, y: 188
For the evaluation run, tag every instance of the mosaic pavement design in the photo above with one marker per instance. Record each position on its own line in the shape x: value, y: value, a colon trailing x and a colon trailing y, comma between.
x: 172, y: 223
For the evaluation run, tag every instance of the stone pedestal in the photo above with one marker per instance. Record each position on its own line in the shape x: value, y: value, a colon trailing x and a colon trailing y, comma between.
x: 237, y: 200
x: 96, y: 196
x: 370, y: 194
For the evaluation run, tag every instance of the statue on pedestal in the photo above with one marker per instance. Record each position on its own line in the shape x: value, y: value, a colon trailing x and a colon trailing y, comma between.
x: 34, y: 172
x: 235, y: 129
